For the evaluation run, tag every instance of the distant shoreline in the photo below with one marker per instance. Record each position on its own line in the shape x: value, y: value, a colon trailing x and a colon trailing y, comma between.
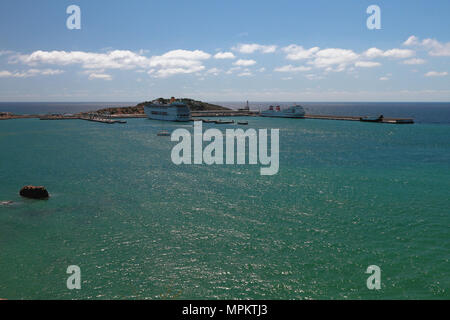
x: 128, y: 111
x: 422, y: 112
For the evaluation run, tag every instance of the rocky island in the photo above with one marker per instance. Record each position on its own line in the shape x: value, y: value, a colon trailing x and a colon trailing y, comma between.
x: 194, y: 105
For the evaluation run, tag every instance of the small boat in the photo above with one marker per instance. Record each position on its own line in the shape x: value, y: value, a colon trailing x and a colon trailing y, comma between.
x: 223, y: 121
x: 368, y: 119
x: 208, y: 121
x: 163, y: 133
x: 243, y: 123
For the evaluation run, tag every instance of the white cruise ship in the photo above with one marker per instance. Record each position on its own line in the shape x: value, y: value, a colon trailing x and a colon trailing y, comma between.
x: 296, y: 111
x: 172, y: 111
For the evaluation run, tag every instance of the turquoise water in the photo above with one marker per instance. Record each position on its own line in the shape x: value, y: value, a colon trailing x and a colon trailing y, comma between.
x: 347, y: 195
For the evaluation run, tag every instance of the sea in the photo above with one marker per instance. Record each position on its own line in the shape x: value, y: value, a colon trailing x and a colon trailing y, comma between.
x: 348, y: 195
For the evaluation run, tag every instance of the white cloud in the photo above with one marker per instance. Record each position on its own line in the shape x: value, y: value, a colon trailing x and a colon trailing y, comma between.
x: 414, y: 61
x: 224, y: 55
x: 392, y: 53
x: 338, y: 59
x: 244, y: 62
x: 30, y: 73
x: 295, y: 52
x: 231, y: 70
x: 384, y: 78
x: 98, y: 65
x: 437, y: 48
x: 166, y: 72
x: 399, y: 53
x: 253, y: 47
x: 334, y: 59
x: 101, y: 76
x: 117, y: 59
x: 411, y: 41
x: 5, y: 52
x: 245, y: 74
x: 367, y: 64
x: 436, y: 74
x: 312, y: 76
x: 5, y: 74
x: 47, y: 72
x: 291, y: 68
x: 214, y: 71
x: 373, y: 53
x: 172, y: 62
x: 178, y: 62
x: 185, y: 54
x: 434, y: 47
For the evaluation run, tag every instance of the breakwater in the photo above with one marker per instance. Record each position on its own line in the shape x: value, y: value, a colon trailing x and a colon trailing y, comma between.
x: 211, y: 113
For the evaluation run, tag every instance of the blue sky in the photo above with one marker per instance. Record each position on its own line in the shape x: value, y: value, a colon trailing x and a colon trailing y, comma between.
x: 225, y: 51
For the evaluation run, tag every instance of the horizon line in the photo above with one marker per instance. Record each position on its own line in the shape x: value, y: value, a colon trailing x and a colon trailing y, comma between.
x: 244, y: 101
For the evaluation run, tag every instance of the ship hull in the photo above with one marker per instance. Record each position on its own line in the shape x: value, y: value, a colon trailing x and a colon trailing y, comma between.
x: 168, y: 113
x: 296, y: 111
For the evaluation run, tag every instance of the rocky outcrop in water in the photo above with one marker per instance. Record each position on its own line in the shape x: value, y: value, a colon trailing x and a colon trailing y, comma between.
x: 193, y: 105
x: 34, y: 192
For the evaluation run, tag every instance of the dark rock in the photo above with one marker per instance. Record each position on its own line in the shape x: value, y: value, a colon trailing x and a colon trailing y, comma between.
x: 34, y: 192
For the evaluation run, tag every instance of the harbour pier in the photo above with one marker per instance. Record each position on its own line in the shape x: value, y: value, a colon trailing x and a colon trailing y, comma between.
x: 102, y: 118
x: 358, y: 118
x: 224, y: 113
x: 116, y: 118
x: 94, y: 117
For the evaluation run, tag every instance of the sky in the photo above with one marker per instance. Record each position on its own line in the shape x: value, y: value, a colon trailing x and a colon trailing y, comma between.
x: 224, y: 50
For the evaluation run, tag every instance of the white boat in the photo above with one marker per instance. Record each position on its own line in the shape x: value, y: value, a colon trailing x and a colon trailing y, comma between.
x: 172, y: 111
x: 163, y: 133
x: 296, y: 111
